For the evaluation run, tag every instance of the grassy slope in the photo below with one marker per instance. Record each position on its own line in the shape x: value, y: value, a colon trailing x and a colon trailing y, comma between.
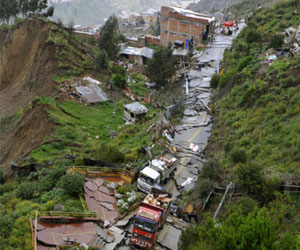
x: 82, y: 129
x: 256, y: 114
x: 261, y: 107
x: 79, y: 130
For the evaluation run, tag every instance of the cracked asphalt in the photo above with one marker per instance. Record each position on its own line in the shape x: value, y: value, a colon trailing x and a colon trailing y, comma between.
x: 195, y: 128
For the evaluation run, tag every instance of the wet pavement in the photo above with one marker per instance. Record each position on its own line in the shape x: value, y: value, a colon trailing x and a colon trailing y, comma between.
x: 195, y: 128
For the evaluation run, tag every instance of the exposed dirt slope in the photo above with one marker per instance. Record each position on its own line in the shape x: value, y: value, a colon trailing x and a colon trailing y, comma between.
x: 30, y: 132
x: 27, y: 65
x: 30, y: 56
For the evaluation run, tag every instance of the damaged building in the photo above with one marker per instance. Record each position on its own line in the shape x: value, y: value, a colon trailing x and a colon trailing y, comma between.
x: 178, y: 24
x: 134, y: 112
x: 136, y: 55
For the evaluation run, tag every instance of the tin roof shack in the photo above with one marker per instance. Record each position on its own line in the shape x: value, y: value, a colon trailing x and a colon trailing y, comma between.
x: 137, y: 55
x: 184, y: 25
x: 134, y: 112
x: 91, y: 93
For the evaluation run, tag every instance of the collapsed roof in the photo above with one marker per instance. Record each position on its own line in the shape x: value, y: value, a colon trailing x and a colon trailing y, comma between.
x: 92, y: 93
x: 145, y: 52
x: 136, y: 108
x: 192, y: 14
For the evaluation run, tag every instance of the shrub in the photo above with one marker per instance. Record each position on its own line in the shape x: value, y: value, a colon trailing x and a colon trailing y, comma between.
x: 214, y: 83
x: 238, y: 155
x: 224, y: 80
x: 211, y: 170
x: 25, y: 190
x: 119, y: 81
x: 109, y: 153
x: 46, y: 183
x: 288, y: 82
x: 244, y: 63
x: 187, y: 237
x: 252, y: 36
x: 250, y: 178
x: 202, y: 188
x: 102, y: 60
x: 71, y: 184
x: 277, y: 41
x: 1, y: 177
x: 118, y: 69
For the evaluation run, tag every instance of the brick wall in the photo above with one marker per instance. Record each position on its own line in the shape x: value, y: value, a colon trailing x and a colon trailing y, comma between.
x: 175, y: 26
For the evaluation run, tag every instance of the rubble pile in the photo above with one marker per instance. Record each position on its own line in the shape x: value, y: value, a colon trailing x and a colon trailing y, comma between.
x: 292, y: 39
x: 85, y: 90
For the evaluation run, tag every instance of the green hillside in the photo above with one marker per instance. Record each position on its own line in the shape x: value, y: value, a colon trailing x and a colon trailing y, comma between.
x: 255, y: 141
x: 90, y: 12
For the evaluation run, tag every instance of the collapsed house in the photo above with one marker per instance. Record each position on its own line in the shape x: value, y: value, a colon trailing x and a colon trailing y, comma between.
x: 134, y: 112
x: 92, y: 93
x: 53, y: 232
x: 86, y: 90
x: 136, y: 55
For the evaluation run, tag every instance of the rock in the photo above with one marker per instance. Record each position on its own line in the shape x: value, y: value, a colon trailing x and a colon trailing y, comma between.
x: 59, y: 207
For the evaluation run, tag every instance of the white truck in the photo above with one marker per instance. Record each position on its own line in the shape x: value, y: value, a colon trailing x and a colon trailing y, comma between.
x: 157, y: 172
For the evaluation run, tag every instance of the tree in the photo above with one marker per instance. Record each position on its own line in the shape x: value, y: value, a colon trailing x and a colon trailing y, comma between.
x: 71, y: 183
x: 119, y: 81
x: 162, y: 66
x: 8, y: 9
x: 102, y: 60
x: 110, y: 37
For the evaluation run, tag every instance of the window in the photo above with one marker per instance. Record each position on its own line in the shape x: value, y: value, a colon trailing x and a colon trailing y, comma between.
x: 198, y: 24
x: 173, y: 33
x: 144, y: 225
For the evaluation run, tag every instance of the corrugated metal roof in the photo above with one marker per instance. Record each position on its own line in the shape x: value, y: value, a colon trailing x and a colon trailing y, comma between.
x: 53, y: 234
x: 136, y: 108
x: 190, y: 13
x: 92, y: 93
x: 145, y: 52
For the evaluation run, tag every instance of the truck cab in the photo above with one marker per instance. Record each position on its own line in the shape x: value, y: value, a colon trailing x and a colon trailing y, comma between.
x: 150, y: 217
x: 157, y: 172
x: 148, y: 178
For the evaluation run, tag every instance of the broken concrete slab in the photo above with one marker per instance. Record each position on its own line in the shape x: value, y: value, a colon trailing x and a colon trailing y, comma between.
x: 118, y: 238
x: 101, y: 199
x: 169, y: 237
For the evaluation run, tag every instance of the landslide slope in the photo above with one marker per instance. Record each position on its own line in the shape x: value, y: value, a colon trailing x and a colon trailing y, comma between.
x: 27, y: 65
x: 31, y: 53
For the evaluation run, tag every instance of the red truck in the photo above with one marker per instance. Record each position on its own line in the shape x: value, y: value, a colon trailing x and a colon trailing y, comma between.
x: 149, y: 219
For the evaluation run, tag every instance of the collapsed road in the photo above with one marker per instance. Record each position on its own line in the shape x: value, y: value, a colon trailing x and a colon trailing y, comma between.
x: 195, y: 130
x: 190, y: 140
